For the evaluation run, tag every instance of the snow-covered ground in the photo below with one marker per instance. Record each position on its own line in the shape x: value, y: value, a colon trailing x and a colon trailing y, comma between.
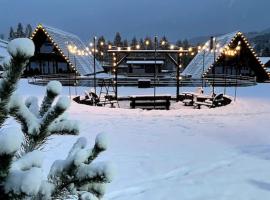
x: 187, y: 154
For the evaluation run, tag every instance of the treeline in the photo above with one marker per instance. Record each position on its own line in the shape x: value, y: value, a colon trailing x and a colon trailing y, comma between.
x: 144, y: 43
x: 18, y: 32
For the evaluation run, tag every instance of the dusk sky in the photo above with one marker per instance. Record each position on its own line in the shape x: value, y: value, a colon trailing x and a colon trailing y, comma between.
x: 177, y: 19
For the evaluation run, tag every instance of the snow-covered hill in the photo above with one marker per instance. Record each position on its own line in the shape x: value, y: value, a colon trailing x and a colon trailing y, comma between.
x: 187, y: 154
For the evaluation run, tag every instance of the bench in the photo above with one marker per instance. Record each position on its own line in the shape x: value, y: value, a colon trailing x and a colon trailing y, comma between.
x: 188, y: 97
x: 150, y: 102
x: 210, y: 102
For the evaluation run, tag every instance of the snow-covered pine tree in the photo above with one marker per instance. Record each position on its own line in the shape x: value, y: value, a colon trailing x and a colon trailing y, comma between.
x: 20, y: 150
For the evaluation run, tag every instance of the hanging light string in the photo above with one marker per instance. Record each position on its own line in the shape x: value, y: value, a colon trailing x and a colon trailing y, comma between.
x: 89, y: 50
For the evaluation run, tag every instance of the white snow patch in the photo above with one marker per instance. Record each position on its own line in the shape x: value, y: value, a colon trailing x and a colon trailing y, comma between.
x: 102, y: 141
x: 55, y: 87
x: 27, y: 182
x: 92, y: 170
x: 21, y: 45
x: 11, y: 140
x: 29, y: 160
x: 63, y: 103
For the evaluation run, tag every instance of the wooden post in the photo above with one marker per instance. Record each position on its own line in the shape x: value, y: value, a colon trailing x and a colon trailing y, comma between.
x: 155, y: 72
x: 115, y: 70
x: 95, y: 87
x: 178, y: 77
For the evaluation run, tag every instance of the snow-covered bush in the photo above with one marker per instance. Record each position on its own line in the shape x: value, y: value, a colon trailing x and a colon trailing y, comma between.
x: 20, y: 150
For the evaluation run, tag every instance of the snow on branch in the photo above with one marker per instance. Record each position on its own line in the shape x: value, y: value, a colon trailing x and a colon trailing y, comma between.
x: 19, y: 49
x: 54, y: 88
x: 21, y: 175
x: 75, y: 173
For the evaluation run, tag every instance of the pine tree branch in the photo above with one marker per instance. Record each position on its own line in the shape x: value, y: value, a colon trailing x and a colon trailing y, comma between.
x: 47, y: 102
x: 5, y: 162
x: 52, y: 114
x: 64, y: 127
x: 9, y: 82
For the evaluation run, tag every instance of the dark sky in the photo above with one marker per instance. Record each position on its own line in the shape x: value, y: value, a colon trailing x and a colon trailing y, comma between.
x: 178, y: 19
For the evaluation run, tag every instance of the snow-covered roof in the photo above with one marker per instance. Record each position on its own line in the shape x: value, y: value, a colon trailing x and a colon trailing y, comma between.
x: 84, y: 64
x: 264, y: 60
x: 196, y: 67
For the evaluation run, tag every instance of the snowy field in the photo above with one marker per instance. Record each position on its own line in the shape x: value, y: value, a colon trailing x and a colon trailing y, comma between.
x: 187, y: 154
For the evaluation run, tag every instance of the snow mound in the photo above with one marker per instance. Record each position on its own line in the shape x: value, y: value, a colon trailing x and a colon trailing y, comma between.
x: 24, y: 46
x: 11, y: 140
x: 54, y: 87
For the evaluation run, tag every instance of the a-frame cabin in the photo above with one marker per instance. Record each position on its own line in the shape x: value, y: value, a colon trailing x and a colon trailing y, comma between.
x: 244, y: 63
x: 52, y: 55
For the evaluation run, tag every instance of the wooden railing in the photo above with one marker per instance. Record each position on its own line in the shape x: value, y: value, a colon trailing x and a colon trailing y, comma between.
x: 217, y: 80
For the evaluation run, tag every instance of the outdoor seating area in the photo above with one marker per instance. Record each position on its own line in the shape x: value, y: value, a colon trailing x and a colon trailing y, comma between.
x: 142, y: 98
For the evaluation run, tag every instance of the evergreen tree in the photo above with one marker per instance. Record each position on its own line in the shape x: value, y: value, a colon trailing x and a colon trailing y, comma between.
x: 185, y: 44
x: 77, y: 176
x: 11, y: 34
x: 101, y: 47
x: 148, y: 43
x: 164, y: 43
x: 118, y: 40
x: 125, y: 43
x: 266, y: 52
x: 28, y: 31
x: 20, y: 32
x: 179, y: 43
x: 2, y: 36
x: 142, y: 44
x: 134, y: 42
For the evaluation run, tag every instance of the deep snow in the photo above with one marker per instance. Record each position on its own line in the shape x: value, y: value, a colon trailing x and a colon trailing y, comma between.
x: 207, y: 154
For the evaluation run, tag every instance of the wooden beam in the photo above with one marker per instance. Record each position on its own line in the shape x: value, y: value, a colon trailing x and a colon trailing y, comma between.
x: 146, y: 51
